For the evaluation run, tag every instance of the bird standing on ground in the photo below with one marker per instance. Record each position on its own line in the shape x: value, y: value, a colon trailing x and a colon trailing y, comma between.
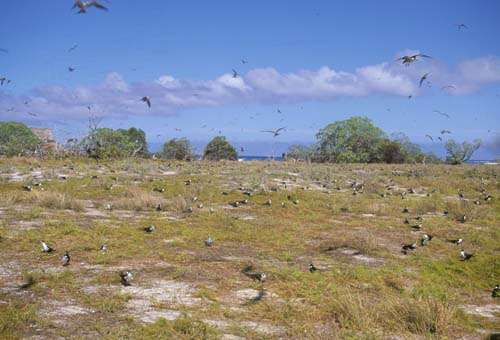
x: 496, y: 291
x: 251, y: 273
x: 209, y: 242
x: 456, y: 241
x: 150, y: 229
x: 65, y: 259
x: 465, y: 256
x: 409, y: 247
x: 312, y: 268
x: 126, y: 277
x: 46, y: 248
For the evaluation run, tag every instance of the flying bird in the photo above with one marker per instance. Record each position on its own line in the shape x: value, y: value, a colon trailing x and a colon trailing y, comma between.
x: 244, y: 61
x: 275, y: 132
x: 3, y: 50
x: 3, y: 80
x: 146, y: 100
x: 32, y: 114
x: 430, y: 137
x: 462, y: 26
x: 451, y: 87
x: 235, y: 73
x: 445, y: 131
x: 72, y: 48
x: 442, y: 113
x: 423, y: 78
x: 71, y: 69
x: 84, y: 5
x: 409, y: 59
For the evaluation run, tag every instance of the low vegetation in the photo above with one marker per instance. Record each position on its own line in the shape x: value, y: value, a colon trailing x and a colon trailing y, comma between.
x: 348, y: 220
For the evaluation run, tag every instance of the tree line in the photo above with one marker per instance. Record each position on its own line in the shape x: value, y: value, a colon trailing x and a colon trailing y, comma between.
x: 354, y: 140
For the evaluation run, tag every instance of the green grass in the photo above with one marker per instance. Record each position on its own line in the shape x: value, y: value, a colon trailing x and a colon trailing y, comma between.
x: 415, y: 295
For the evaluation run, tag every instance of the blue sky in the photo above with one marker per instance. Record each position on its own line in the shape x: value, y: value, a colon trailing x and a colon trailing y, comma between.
x: 315, y: 61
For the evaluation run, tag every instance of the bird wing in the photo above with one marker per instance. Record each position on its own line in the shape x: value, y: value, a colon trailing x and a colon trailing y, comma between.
x: 424, y: 56
x: 269, y: 131
x: 97, y: 5
x: 281, y: 128
x: 430, y: 137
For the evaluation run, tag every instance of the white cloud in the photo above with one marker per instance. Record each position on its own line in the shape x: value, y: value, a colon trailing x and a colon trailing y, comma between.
x: 117, y: 98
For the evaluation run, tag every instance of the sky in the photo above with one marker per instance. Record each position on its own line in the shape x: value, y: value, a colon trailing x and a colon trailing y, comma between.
x: 300, y: 65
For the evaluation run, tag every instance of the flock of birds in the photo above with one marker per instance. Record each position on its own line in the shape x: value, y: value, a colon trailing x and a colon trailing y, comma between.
x: 83, y: 7
x: 126, y: 276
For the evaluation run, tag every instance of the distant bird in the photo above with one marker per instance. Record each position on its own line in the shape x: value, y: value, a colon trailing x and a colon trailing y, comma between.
x: 3, y: 50
x: 29, y: 283
x: 462, y: 219
x: 312, y: 268
x: 409, y: 247
x: 409, y: 59
x: 242, y: 149
x: 406, y: 210
x: 269, y: 202
x: 457, y: 241
x: 46, y: 248
x: 410, y: 96
x: 279, y: 111
x: 445, y: 131
x: 235, y: 73
x: 103, y: 248
x: 462, y: 26
x: 430, y: 137
x: 416, y: 226
x: 3, y: 80
x: 126, y: 277
x: 423, y: 78
x: 159, y: 189
x: 72, y: 48
x: 209, y: 242
x: 251, y: 273
x: 71, y: 69
x: 84, y: 5
x: 65, y: 259
x: 146, y: 100
x: 27, y: 187
x: 446, y: 87
x: 425, y: 239
x: 187, y: 182
x: 32, y: 114
x: 440, y: 138
x: 275, y: 132
x: 496, y: 291
x: 442, y: 113
x: 244, y: 61
x: 150, y: 229
x: 465, y: 256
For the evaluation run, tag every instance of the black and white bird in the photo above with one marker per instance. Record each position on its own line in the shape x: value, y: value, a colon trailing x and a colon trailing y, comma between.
x: 425, y: 239
x: 84, y: 5
x: 462, y: 219
x: 312, y: 268
x: 126, y: 277
x: 251, y: 273
x: 409, y: 247
x: 27, y: 187
x: 103, y: 248
x: 46, y: 248
x: 423, y: 78
x: 457, y: 241
x: 65, y: 259
x: 150, y: 229
x: 146, y: 100
x: 209, y: 242
x: 496, y: 291
x: 409, y: 59
x: 465, y: 256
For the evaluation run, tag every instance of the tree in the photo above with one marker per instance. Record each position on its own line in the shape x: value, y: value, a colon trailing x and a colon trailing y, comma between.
x: 102, y: 143
x: 299, y: 152
x: 137, y: 137
x: 219, y: 148
x: 391, y: 152
x: 458, y: 153
x: 17, y: 139
x: 353, y: 140
x: 179, y: 149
